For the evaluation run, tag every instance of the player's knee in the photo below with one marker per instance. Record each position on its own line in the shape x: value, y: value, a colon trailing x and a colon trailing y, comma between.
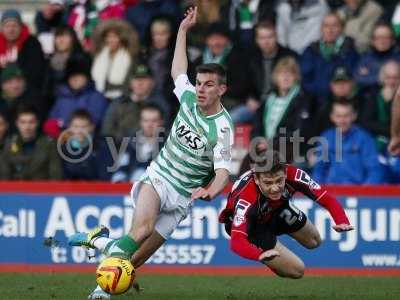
x: 313, y: 242
x: 141, y: 232
x: 297, y: 271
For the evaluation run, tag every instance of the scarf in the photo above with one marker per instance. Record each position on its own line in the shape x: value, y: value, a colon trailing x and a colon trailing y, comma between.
x: 327, y: 50
x: 275, y: 109
x: 111, y: 70
x: 208, y: 57
x: 9, y: 53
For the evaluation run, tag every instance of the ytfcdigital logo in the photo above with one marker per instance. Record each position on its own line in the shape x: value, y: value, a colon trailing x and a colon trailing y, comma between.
x: 74, y: 147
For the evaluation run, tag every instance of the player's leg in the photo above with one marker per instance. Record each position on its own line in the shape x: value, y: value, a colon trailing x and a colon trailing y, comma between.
x: 145, y: 215
x: 308, y: 236
x: 287, y: 264
x: 147, y: 249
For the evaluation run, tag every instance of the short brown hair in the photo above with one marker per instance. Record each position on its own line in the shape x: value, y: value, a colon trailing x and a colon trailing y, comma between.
x: 265, y: 24
x: 287, y: 63
x: 270, y: 162
x: 213, y: 69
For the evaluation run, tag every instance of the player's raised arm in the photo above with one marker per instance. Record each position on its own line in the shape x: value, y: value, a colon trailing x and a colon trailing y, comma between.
x: 180, y: 61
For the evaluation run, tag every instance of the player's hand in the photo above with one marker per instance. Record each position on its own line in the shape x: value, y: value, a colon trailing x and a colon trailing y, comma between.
x: 342, y: 227
x: 268, y: 255
x: 190, y: 18
x: 201, y: 193
x: 394, y: 146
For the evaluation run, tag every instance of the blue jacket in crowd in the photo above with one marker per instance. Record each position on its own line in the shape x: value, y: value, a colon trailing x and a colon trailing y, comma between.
x: 317, y: 71
x: 358, y: 163
x: 67, y: 101
x: 370, y: 63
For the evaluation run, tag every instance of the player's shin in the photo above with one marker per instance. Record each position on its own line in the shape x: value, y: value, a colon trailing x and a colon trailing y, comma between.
x: 123, y: 247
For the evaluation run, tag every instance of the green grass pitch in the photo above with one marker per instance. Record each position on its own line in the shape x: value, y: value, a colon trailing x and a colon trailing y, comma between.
x: 192, y: 287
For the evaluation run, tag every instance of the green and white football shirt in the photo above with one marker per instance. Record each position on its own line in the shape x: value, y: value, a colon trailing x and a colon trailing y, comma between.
x: 197, y: 145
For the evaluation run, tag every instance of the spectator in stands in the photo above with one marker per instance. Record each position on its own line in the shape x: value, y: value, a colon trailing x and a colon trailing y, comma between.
x: 116, y: 46
x: 140, y: 15
x: 208, y: 12
x: 342, y: 86
x: 29, y: 155
x: 376, y: 112
x: 287, y: 108
x: 356, y: 160
x: 383, y: 48
x: 261, y: 63
x: 17, y: 45
x: 15, y: 91
x: 122, y: 117
x: 220, y: 49
x: 321, y: 58
x: 66, y: 47
x: 79, y: 92
x: 299, y: 22
x: 4, y: 130
x: 243, y: 15
x: 145, y: 146
x: 267, y: 53
x: 84, y: 156
x: 360, y: 17
x: 47, y: 20
x: 159, y: 52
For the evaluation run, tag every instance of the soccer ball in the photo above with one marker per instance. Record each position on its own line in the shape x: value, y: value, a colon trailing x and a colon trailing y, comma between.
x: 115, y: 275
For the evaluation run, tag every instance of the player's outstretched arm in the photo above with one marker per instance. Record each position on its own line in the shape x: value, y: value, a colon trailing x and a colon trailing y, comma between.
x: 217, y: 185
x: 180, y: 61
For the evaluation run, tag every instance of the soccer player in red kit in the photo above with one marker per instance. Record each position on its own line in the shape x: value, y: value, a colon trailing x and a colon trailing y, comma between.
x: 259, y: 209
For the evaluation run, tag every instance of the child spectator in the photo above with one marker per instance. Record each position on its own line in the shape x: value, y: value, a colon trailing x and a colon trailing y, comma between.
x: 116, y: 46
x: 29, y: 155
x: 84, y: 156
x: 144, y: 147
x: 347, y: 153
x: 79, y: 92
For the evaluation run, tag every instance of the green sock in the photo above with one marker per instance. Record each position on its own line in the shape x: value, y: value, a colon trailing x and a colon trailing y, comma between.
x: 123, y: 247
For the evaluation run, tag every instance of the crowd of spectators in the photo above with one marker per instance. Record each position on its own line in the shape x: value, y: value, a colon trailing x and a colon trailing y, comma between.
x: 86, y: 88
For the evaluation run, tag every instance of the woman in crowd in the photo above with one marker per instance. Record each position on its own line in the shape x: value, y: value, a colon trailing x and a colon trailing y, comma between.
x: 116, y: 46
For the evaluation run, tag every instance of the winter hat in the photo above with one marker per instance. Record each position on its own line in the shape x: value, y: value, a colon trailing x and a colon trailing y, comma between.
x: 11, y: 14
x: 11, y: 71
x: 77, y: 65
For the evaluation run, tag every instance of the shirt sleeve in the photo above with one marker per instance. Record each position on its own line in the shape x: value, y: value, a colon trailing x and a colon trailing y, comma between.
x: 239, y: 242
x: 223, y: 149
x: 182, y: 84
x: 307, y: 186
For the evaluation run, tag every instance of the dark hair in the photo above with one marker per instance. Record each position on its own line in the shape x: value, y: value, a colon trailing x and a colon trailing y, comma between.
x: 213, y: 69
x: 269, y: 162
x: 152, y: 106
x: 26, y: 109
x: 266, y: 24
x: 81, y: 114
x: 65, y: 29
x: 344, y: 102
